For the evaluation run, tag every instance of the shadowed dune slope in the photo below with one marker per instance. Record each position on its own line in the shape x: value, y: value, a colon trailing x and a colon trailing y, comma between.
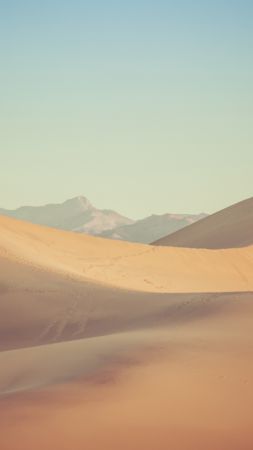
x: 231, y: 227
x: 68, y: 351
x: 39, y: 307
x: 187, y: 385
x: 57, y: 286
x: 108, y: 344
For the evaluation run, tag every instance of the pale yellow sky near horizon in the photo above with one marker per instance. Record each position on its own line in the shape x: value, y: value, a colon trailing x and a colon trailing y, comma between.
x: 142, y: 107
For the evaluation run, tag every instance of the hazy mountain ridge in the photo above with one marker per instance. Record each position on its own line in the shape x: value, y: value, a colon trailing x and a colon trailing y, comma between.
x: 152, y: 227
x: 78, y: 214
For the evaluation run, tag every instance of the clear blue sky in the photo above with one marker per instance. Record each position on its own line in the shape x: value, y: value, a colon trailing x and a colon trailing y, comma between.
x: 142, y: 106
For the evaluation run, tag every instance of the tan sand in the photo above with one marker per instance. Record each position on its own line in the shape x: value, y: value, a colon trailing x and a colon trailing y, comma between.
x: 125, y: 265
x: 58, y: 285
x: 192, y: 389
x: 231, y: 227
x: 110, y: 345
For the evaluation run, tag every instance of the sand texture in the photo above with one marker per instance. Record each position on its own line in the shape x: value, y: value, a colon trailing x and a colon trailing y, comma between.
x: 231, y: 227
x: 108, y: 345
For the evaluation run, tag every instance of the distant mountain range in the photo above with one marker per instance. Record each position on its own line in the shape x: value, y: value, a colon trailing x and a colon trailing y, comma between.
x: 79, y: 215
x: 231, y: 227
x: 76, y: 214
x: 147, y: 230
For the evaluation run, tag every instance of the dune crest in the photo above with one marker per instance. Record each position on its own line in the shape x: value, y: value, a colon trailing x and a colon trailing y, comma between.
x: 125, y: 265
x: 230, y: 227
x: 149, y: 345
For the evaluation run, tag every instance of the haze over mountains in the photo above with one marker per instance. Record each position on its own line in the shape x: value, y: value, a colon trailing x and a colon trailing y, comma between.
x: 146, y: 230
x: 230, y: 227
x: 78, y: 214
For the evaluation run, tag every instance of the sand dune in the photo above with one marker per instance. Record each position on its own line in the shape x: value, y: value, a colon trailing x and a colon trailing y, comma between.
x: 36, y: 366
x: 130, y: 266
x: 108, y: 344
x: 231, y: 227
x: 187, y: 386
x: 68, y: 286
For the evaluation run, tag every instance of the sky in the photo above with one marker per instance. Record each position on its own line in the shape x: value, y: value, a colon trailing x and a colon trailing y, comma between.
x: 141, y: 106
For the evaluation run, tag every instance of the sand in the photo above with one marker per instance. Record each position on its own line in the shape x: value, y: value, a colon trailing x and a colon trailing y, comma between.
x: 230, y: 227
x: 112, y: 345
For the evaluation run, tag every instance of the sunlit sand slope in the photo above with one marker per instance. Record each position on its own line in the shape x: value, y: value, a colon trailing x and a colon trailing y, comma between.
x: 57, y: 286
x: 112, y: 345
x: 118, y: 264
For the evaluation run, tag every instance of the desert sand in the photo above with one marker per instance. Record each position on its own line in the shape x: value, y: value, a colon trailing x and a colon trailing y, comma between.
x: 230, y: 227
x: 111, y: 345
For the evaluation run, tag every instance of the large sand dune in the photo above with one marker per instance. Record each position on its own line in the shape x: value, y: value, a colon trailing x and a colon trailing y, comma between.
x: 231, y: 227
x: 108, y: 345
x: 130, y: 266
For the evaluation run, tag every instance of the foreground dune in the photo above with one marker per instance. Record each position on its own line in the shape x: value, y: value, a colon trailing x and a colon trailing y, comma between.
x: 112, y: 345
x: 38, y: 366
x: 188, y: 387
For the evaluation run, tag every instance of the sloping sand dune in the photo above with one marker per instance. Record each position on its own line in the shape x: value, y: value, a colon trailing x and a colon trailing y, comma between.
x: 231, y: 227
x: 67, y: 286
x: 124, y: 265
x: 36, y: 366
x: 185, y: 386
x: 112, y: 345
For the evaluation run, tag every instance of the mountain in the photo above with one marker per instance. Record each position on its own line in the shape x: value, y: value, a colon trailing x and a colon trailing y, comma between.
x: 76, y: 214
x: 151, y: 228
x: 230, y: 227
